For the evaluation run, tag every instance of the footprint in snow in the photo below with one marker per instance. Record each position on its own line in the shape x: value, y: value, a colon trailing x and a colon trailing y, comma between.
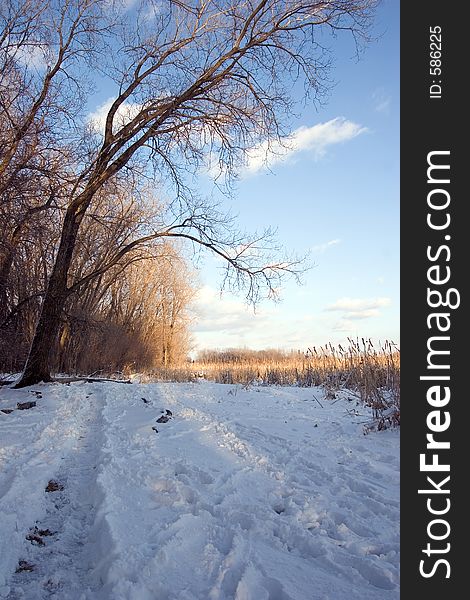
x: 24, y: 565
x: 165, y: 417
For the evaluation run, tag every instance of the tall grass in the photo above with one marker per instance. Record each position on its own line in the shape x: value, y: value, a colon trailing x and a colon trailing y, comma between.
x: 372, y: 374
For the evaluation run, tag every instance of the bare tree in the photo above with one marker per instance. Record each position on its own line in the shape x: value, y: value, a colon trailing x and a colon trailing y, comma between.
x: 194, y: 77
x: 41, y: 41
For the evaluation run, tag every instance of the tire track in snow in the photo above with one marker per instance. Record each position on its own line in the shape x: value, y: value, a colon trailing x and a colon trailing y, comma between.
x: 63, y: 566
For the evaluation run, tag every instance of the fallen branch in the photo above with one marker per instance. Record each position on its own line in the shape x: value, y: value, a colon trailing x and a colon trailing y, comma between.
x: 315, y: 398
x: 72, y: 380
x: 89, y: 380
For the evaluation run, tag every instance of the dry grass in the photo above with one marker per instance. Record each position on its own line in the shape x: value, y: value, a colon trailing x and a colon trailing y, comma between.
x: 372, y: 374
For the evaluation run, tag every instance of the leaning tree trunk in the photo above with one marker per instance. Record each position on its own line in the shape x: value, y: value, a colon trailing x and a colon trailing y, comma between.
x: 37, y: 366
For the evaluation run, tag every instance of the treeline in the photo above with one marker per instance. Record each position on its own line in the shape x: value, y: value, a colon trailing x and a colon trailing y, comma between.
x: 247, y: 356
x: 132, y: 313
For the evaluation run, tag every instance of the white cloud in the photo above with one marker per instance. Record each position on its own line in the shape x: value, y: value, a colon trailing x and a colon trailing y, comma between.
x: 356, y: 309
x: 227, y: 322
x: 343, y: 325
x: 358, y: 304
x: 125, y: 113
x: 33, y: 57
x: 314, y: 140
x: 224, y: 313
x: 321, y: 248
x: 365, y: 313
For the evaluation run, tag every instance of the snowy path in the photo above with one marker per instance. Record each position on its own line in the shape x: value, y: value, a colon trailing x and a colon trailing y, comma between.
x: 258, y: 494
x: 68, y: 454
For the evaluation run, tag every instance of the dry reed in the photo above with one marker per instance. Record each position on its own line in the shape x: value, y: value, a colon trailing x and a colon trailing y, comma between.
x: 372, y: 374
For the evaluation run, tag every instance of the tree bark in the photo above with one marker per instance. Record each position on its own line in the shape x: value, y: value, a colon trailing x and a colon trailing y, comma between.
x: 6, y: 260
x: 37, y: 366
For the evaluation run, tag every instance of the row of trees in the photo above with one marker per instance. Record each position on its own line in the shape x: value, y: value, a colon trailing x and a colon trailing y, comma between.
x: 233, y: 356
x: 131, y: 313
x: 190, y: 81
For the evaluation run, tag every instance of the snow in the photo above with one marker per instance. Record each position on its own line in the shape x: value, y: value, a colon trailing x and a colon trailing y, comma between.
x: 259, y: 493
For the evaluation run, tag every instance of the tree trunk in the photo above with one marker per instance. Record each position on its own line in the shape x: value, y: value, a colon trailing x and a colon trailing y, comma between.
x: 6, y: 260
x: 37, y: 366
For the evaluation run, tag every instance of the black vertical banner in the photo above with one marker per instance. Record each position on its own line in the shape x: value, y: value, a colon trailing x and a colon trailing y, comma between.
x: 435, y: 253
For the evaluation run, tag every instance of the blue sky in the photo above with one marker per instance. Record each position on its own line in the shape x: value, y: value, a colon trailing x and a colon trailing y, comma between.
x: 337, y: 196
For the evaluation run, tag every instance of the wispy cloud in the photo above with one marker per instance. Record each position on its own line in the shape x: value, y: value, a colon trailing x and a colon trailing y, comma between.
x: 154, y: 9
x: 355, y: 304
x: 315, y: 140
x: 382, y: 101
x: 355, y: 309
x: 366, y: 313
x: 321, y: 248
x: 343, y: 325
x: 124, y: 5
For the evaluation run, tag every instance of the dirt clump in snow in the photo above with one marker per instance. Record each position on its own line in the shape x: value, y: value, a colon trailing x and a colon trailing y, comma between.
x: 24, y: 565
x: 165, y: 417
x: 54, y: 486
x: 35, y: 536
x: 35, y: 539
x: 25, y: 405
